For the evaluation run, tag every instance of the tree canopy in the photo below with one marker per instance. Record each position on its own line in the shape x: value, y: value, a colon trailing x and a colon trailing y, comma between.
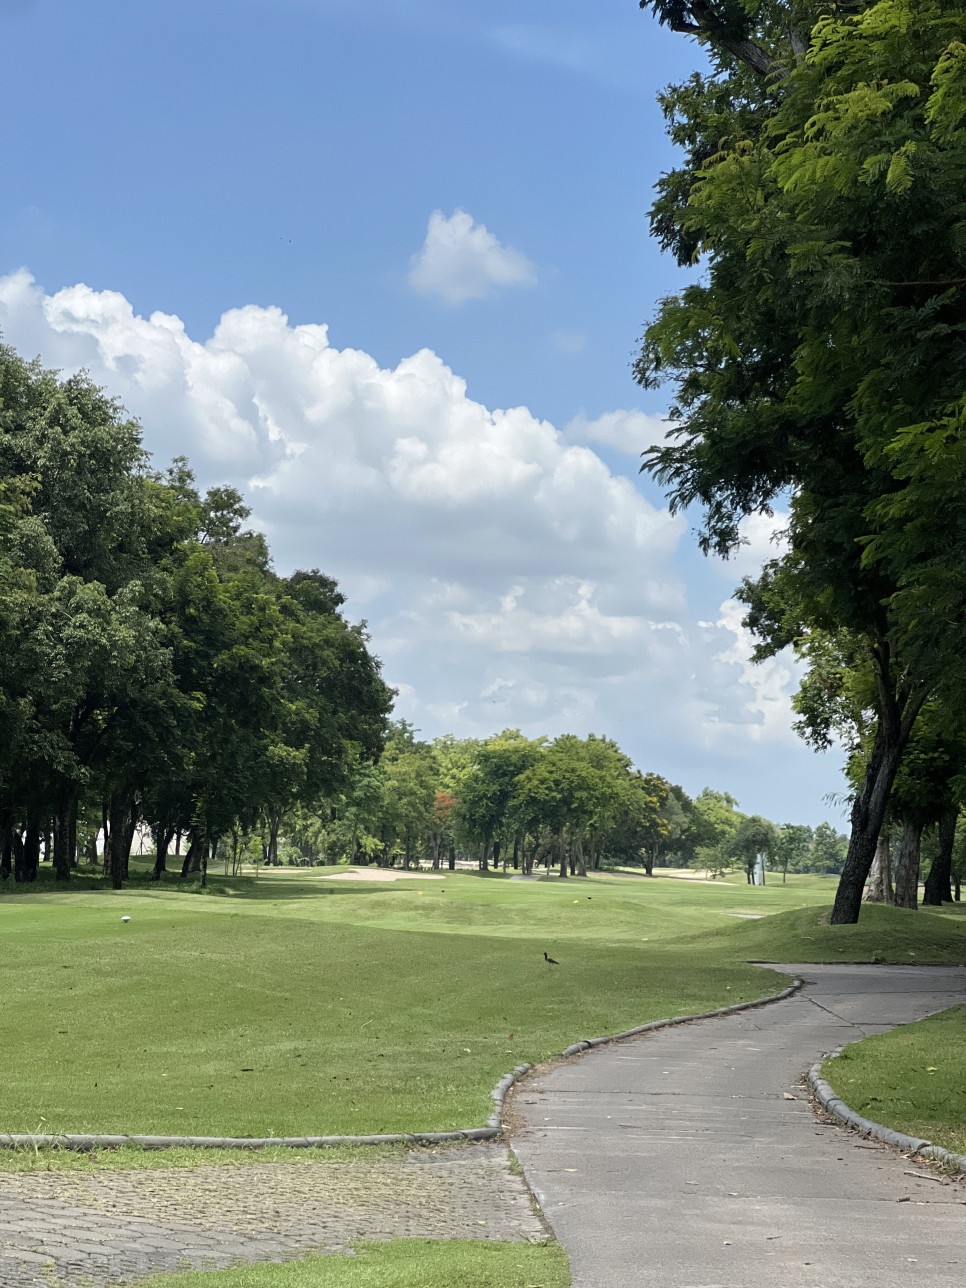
x: 155, y: 668
x: 818, y: 363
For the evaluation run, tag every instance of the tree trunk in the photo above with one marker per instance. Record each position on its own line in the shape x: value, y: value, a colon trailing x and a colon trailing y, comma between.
x: 879, y: 888
x: 162, y: 839
x: 27, y: 860
x: 562, y: 844
x: 6, y: 844
x: 907, y: 866
x: 106, y: 829
x: 65, y: 824
x: 452, y: 858
x: 938, y: 884
x: 122, y: 818
x: 868, y: 815
x: 192, y: 858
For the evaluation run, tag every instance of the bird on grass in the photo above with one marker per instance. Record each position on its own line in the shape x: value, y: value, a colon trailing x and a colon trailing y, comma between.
x: 550, y: 960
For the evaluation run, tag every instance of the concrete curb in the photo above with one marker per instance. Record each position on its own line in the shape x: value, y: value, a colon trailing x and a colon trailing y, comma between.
x: 84, y: 1142
x: 826, y: 1097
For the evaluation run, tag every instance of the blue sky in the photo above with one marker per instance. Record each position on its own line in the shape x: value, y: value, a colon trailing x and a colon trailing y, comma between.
x: 193, y: 191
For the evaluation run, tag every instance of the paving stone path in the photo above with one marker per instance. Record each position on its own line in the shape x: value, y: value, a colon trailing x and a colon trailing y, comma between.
x: 91, y: 1230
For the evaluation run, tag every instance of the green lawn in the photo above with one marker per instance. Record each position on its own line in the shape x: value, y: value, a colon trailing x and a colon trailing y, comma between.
x: 299, y: 1004
x: 402, y: 1263
x: 910, y: 1079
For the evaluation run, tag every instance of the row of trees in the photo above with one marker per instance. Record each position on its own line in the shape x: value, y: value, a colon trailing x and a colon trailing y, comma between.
x: 153, y: 667
x: 574, y: 804
x: 818, y: 365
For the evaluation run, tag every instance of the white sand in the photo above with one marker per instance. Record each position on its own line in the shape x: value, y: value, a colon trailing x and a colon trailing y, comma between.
x: 382, y: 874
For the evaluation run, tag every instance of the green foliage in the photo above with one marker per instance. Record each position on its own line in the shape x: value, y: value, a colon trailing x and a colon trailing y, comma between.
x: 398, y: 1263
x: 157, y: 668
x: 820, y: 358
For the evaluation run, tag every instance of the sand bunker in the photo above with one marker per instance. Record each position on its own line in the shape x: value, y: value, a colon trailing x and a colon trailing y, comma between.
x: 382, y: 874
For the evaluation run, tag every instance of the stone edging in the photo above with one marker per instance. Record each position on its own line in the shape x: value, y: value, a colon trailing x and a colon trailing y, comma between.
x: 81, y: 1142
x: 826, y: 1097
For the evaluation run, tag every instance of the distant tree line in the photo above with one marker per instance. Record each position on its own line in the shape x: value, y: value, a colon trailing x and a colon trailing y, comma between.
x: 155, y: 672
x: 568, y: 805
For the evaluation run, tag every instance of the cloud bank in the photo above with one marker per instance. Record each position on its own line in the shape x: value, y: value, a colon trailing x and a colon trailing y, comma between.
x: 509, y: 577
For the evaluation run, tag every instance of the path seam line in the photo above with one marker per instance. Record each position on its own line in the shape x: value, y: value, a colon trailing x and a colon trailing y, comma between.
x: 494, y: 1125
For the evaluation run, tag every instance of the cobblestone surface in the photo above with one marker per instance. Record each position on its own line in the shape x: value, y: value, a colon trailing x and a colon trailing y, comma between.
x: 91, y: 1230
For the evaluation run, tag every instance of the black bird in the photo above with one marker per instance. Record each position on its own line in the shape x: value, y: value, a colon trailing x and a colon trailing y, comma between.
x: 550, y: 961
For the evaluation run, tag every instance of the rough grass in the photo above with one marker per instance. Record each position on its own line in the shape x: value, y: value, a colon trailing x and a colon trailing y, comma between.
x: 910, y: 1079
x: 402, y: 1263
x: 296, y: 1004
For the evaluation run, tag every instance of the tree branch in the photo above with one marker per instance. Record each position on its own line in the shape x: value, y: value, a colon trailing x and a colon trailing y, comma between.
x: 699, y: 18
x: 942, y: 281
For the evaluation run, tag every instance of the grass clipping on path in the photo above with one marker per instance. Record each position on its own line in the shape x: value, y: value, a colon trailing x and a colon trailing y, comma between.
x: 401, y: 1263
x: 910, y: 1079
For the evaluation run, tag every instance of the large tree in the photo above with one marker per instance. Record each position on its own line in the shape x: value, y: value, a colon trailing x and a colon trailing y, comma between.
x: 823, y: 192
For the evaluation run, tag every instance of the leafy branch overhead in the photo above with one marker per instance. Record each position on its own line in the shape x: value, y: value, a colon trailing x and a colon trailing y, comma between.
x: 817, y: 364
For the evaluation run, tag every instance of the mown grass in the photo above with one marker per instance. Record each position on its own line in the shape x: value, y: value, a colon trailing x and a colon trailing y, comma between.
x: 883, y: 934
x: 401, y: 1263
x: 910, y: 1079
x: 296, y: 1004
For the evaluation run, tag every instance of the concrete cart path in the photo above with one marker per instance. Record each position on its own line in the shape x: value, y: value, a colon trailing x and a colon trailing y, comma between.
x: 678, y: 1159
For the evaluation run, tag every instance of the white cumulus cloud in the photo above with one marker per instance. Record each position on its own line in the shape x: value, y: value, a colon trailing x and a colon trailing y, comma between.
x: 508, y: 575
x: 626, y: 430
x: 461, y: 260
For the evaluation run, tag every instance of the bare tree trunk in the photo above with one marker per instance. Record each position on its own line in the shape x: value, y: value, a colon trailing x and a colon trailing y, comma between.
x: 879, y: 889
x: 562, y: 844
x: 192, y: 858
x: 452, y: 858
x: 27, y: 855
x: 106, y: 829
x: 208, y: 845
x: 938, y: 884
x: 65, y: 816
x: 162, y: 839
x: 907, y: 866
x: 6, y: 843
x: 869, y: 809
x: 122, y: 819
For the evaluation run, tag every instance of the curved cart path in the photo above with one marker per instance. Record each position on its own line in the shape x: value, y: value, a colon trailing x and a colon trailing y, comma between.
x: 678, y: 1160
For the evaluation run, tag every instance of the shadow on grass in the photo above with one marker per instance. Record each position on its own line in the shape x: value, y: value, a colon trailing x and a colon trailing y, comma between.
x: 268, y: 888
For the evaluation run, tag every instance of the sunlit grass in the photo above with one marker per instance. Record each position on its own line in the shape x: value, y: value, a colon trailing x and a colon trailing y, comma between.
x: 910, y: 1079
x: 302, y: 1004
x: 401, y: 1263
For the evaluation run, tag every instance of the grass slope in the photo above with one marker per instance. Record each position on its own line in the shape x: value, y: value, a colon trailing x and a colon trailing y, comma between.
x: 910, y: 1079
x: 297, y: 1004
x: 402, y: 1263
